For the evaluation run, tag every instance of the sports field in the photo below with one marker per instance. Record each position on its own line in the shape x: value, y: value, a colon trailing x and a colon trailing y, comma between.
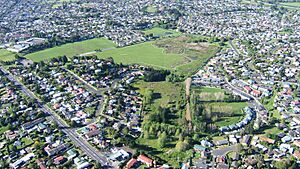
x: 71, y: 49
x: 6, y: 55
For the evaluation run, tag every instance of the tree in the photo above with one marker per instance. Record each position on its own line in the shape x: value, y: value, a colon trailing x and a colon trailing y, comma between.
x: 281, y: 164
x: 177, y: 132
x: 180, y: 138
x: 146, y: 134
x: 148, y: 96
x: 162, y: 140
x: 196, y: 136
x: 64, y: 59
x: 181, y: 146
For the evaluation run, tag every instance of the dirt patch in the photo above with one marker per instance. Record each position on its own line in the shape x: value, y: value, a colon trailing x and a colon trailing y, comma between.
x: 197, y: 46
x: 188, y: 83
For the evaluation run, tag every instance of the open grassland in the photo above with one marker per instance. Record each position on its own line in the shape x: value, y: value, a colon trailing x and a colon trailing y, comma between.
x: 160, y: 32
x: 72, y: 49
x: 144, y: 53
x: 181, y: 54
x: 195, y: 52
x: 210, y: 93
x: 6, y: 55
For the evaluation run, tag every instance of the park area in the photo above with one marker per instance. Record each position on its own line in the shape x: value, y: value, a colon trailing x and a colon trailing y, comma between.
x: 72, y: 49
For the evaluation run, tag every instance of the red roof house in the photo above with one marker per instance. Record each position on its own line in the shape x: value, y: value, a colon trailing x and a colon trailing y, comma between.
x: 256, y: 93
x: 248, y: 89
x: 131, y: 163
x: 59, y: 160
x: 144, y: 159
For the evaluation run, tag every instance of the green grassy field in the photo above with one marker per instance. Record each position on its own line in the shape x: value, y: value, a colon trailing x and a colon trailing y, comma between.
x: 174, y: 53
x: 144, y: 53
x: 210, y: 90
x: 72, y: 49
x: 234, y: 108
x: 6, y: 55
x: 161, y: 32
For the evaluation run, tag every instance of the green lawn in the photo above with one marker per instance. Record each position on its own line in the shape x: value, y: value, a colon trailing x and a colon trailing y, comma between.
x: 72, y: 49
x: 6, y: 55
x: 161, y: 32
x: 26, y: 141
x: 144, y: 53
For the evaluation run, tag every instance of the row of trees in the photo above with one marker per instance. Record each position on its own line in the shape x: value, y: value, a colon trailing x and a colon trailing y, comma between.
x: 156, y: 75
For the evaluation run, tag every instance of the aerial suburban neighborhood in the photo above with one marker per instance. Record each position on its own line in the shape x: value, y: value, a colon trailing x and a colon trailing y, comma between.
x: 204, y: 84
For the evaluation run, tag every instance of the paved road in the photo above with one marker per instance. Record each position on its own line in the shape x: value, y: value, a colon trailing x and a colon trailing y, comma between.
x: 81, y: 143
